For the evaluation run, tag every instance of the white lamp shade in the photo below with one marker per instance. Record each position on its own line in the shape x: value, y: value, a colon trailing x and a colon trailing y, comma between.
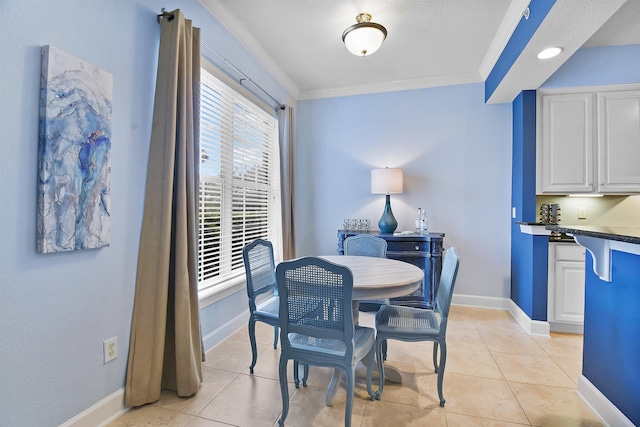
x: 386, y: 181
x: 364, y: 40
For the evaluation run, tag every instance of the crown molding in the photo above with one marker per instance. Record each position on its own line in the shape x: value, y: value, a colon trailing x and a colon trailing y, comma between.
x: 507, y: 27
x: 422, y: 83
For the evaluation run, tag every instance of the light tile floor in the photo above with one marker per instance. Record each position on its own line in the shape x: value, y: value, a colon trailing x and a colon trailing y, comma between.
x: 496, y: 375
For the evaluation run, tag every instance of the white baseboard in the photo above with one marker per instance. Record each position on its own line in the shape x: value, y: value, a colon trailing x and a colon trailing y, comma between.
x: 216, y: 336
x: 100, y: 414
x: 478, y: 301
x: 532, y: 327
x: 567, y: 328
x: 608, y: 413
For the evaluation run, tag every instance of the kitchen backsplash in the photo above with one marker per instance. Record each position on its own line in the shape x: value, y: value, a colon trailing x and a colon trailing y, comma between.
x: 606, y: 210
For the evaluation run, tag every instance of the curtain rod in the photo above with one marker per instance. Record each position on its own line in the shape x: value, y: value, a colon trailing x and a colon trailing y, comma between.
x: 164, y: 13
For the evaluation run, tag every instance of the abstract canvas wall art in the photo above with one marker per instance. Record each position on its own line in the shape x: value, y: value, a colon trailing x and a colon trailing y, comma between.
x: 73, y: 154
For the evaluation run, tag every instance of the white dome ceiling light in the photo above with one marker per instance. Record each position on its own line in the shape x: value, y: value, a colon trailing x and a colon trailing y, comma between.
x: 365, y: 37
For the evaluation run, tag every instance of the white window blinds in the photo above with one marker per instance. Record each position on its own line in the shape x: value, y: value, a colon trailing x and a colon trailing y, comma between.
x: 239, y: 180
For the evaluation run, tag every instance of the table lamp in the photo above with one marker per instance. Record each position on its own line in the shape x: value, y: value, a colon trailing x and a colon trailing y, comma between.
x: 387, y: 181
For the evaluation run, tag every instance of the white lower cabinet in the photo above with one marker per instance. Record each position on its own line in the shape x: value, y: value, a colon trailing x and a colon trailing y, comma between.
x: 565, y: 310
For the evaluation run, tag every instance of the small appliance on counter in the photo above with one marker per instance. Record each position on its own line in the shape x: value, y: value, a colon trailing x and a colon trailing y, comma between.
x: 550, y: 214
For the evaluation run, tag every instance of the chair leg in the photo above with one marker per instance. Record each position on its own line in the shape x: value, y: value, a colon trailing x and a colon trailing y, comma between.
x: 284, y: 390
x: 252, y: 339
x: 370, y: 359
x: 296, y: 373
x: 435, y: 356
x: 296, y: 379
x: 275, y: 337
x: 306, y: 374
x: 384, y: 350
x: 349, y: 377
x: 380, y: 342
x: 443, y: 362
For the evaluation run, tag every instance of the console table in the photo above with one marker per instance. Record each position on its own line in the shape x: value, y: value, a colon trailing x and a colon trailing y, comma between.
x: 422, y: 250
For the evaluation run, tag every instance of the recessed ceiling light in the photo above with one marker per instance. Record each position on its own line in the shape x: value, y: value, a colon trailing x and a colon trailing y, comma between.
x: 550, y: 52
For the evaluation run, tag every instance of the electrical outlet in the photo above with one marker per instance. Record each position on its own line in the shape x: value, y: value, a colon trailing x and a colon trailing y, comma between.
x: 110, y: 349
x: 582, y: 212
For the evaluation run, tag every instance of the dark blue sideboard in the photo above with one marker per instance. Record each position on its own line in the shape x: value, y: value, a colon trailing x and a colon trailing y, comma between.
x: 422, y: 250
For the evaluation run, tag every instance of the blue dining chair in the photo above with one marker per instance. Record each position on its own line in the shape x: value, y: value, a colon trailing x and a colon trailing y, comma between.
x: 366, y: 245
x: 317, y: 324
x: 260, y: 272
x: 416, y: 324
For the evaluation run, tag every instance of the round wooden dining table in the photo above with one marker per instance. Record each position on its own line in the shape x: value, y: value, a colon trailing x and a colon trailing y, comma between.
x: 375, y: 278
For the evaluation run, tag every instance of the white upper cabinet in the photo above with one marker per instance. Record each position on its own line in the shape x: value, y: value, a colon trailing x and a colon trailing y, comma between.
x: 588, y: 142
x: 619, y: 141
x: 567, y: 143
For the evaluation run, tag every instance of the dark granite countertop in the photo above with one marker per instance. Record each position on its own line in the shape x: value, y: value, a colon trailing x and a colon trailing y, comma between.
x: 620, y: 233
x: 552, y: 238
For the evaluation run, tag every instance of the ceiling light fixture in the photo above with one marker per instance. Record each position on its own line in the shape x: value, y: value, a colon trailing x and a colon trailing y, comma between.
x: 365, y: 37
x: 550, y: 52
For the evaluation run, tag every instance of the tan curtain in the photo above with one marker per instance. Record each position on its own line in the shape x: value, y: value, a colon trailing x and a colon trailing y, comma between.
x: 165, y: 349
x: 286, y: 125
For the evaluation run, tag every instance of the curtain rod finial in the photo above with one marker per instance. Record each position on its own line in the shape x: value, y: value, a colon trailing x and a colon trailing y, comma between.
x: 165, y: 13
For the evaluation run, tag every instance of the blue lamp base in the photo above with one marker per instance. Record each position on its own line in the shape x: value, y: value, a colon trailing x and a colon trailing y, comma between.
x: 387, y: 223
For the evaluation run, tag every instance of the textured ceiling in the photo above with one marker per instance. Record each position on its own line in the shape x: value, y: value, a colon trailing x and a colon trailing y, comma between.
x: 429, y: 42
x: 623, y: 27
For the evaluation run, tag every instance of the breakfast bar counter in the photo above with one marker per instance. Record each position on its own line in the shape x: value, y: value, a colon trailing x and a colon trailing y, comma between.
x: 610, y: 380
x: 620, y: 233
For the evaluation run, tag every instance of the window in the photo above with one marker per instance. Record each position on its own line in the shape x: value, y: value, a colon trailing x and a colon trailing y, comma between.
x: 239, y: 182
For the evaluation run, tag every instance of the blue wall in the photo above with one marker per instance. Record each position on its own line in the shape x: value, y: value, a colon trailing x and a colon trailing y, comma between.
x: 611, y: 353
x: 598, y: 66
x: 456, y: 154
x: 529, y: 253
x: 56, y: 309
x: 523, y: 190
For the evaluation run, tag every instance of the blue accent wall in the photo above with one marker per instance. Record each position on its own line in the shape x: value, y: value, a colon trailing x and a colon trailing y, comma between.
x: 529, y: 263
x: 523, y: 190
x: 529, y: 253
x: 522, y: 269
x: 522, y: 34
x: 539, y: 278
x: 611, y: 359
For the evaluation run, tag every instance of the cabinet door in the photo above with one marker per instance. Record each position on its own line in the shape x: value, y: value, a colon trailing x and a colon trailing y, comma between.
x: 567, y: 143
x: 619, y: 142
x: 423, y: 296
x: 569, y: 292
